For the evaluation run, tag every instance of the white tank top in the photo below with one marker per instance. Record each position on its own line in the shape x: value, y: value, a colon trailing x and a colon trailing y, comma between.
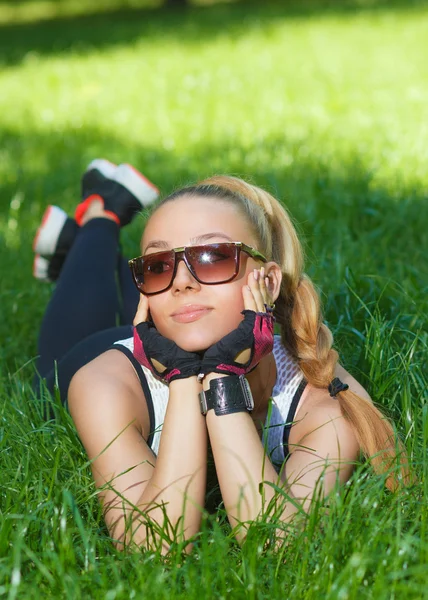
x: 286, y: 395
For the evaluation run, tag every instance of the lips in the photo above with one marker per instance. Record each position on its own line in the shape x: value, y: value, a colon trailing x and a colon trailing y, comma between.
x: 190, y: 313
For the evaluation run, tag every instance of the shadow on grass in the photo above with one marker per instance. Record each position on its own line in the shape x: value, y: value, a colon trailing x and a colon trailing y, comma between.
x: 108, y: 28
x: 356, y: 234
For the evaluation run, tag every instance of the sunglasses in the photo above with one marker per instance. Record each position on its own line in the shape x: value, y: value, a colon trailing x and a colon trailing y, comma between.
x: 209, y: 264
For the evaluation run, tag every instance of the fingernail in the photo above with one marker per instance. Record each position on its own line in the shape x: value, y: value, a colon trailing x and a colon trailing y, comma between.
x: 267, y: 281
x: 262, y: 272
x: 256, y: 275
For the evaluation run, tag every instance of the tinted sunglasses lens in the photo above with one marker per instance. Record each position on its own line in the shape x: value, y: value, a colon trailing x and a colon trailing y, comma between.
x: 213, y: 263
x: 153, y: 272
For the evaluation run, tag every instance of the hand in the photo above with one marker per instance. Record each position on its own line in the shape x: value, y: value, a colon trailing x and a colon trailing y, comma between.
x: 159, y: 354
x: 238, y: 352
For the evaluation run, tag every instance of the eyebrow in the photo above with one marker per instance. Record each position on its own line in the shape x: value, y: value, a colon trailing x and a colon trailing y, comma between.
x: 194, y: 241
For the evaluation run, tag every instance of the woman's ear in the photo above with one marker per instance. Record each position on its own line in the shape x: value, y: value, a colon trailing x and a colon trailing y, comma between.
x: 274, y: 274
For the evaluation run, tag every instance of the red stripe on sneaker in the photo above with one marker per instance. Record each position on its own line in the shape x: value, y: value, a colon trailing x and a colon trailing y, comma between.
x: 39, y: 230
x: 149, y: 183
x: 83, y: 207
x: 36, y: 258
x: 113, y: 216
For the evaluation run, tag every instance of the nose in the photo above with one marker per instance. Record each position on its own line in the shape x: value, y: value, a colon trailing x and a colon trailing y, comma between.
x: 183, y: 278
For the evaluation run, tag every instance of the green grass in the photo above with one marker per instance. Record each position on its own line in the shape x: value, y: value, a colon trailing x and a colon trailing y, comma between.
x: 325, y: 104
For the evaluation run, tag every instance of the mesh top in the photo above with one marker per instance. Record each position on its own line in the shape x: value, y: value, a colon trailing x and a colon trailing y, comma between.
x: 289, y: 377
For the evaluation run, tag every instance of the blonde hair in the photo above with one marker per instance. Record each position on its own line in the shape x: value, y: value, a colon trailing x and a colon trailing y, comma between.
x: 298, y: 312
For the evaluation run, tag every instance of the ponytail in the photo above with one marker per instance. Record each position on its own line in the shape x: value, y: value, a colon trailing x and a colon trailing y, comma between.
x: 317, y: 360
x: 298, y: 312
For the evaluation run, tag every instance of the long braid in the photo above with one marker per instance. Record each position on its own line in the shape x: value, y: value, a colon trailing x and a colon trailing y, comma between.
x: 298, y: 312
x: 318, y: 360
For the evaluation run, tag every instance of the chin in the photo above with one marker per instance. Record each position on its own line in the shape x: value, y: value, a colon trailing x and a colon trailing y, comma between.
x: 197, y: 337
x: 196, y: 342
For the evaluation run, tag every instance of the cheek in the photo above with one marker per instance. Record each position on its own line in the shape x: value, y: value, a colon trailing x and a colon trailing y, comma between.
x: 229, y: 308
x: 157, y: 312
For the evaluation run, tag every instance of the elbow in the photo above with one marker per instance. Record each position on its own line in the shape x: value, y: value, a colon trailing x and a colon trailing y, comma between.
x: 77, y: 390
x: 154, y: 530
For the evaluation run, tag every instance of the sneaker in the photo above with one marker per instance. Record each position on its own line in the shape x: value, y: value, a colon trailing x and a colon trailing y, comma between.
x: 48, y: 269
x: 52, y: 242
x: 40, y: 268
x: 123, y: 190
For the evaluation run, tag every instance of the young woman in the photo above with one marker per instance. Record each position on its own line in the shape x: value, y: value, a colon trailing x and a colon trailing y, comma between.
x: 220, y: 261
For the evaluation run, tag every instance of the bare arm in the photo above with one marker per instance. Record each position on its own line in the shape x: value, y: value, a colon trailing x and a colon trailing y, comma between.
x: 109, y: 409
x: 326, y: 447
x: 323, y: 445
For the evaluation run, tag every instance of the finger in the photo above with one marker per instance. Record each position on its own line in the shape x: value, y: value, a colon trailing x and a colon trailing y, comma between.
x: 254, y: 283
x: 249, y: 301
x: 142, y: 310
x: 263, y: 284
x: 268, y: 299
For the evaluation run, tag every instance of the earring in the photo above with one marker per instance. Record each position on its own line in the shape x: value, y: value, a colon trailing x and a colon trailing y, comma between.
x: 269, y: 308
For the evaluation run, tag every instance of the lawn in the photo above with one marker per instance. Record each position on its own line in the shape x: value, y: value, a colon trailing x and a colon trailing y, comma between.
x: 326, y: 105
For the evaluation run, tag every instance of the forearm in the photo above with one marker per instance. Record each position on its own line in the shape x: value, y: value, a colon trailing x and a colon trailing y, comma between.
x: 177, y: 488
x: 242, y: 465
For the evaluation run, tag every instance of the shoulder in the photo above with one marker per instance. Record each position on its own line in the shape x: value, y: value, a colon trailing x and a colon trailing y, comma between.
x: 111, y: 366
x: 322, y: 443
x: 319, y: 412
x: 109, y: 388
x: 316, y: 399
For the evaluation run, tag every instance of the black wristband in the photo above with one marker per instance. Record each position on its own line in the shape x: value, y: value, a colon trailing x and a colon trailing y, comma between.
x: 227, y: 395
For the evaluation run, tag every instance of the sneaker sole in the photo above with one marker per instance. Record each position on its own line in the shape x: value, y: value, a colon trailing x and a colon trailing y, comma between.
x: 139, y: 186
x: 47, y: 235
x: 104, y: 166
x: 40, y: 268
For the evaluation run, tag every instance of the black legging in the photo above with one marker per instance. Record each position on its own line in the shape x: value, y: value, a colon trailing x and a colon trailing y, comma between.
x: 86, y: 313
